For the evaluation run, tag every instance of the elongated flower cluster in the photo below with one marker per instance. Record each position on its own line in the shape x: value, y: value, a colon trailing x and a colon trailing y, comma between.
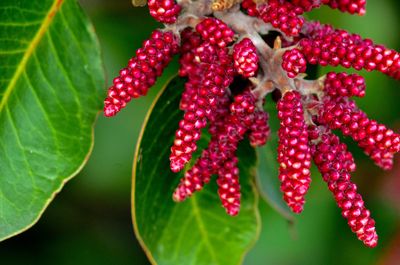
x: 344, y: 85
x: 309, y: 5
x: 259, y: 130
x: 372, y: 137
x: 229, y: 187
x: 142, y: 71
x: 283, y: 15
x: 336, y: 164
x: 351, y: 6
x: 328, y: 46
x: 230, y: 69
x: 215, y: 32
x: 219, y: 158
x: 207, y: 88
x: 293, y: 151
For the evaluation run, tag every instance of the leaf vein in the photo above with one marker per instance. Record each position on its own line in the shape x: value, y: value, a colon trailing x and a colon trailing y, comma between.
x: 68, y: 26
x: 69, y: 81
x: 202, y: 229
x: 31, y: 47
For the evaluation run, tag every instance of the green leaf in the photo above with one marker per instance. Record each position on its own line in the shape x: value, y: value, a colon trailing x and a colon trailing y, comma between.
x: 196, y: 231
x: 51, y: 86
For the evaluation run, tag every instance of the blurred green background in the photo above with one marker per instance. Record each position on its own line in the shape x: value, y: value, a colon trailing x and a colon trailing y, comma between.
x: 89, y: 222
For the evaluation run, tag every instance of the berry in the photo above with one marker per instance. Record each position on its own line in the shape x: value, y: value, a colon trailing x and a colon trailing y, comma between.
x: 206, y: 86
x: 215, y: 31
x: 327, y: 46
x: 190, y: 41
x: 141, y: 72
x: 221, y: 148
x: 259, y: 130
x: 164, y: 11
x: 335, y: 164
x: 220, y: 113
x: 308, y: 5
x: 186, y: 136
x: 293, y: 62
x: 351, y: 6
x: 251, y: 8
x: 229, y: 187
x: 194, y: 179
x: 293, y: 151
x: 344, y: 85
x: 282, y: 15
x: 314, y: 30
x: 245, y: 58
x: 375, y: 139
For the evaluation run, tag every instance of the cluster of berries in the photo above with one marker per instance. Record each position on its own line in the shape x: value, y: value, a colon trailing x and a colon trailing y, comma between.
x: 219, y: 43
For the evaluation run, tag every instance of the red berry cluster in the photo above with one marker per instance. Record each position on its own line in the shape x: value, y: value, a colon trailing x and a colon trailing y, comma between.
x: 219, y: 158
x: 142, y: 71
x: 293, y: 151
x: 375, y: 139
x: 229, y: 187
x: 344, y: 85
x: 207, y: 88
x: 286, y: 16
x: 327, y: 46
x: 282, y: 14
x: 245, y: 58
x: 215, y: 32
x: 336, y: 164
x: 164, y: 11
x: 259, y: 130
x: 293, y: 62
x: 308, y: 5
x: 351, y: 6
x: 230, y: 68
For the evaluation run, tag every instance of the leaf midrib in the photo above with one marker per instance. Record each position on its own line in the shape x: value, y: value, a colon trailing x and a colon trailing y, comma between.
x: 44, y: 25
x: 202, y: 229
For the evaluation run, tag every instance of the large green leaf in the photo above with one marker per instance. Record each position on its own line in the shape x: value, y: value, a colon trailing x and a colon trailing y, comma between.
x: 51, y: 83
x: 196, y: 231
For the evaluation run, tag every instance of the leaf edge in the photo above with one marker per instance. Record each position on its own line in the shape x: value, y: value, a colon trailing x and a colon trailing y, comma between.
x: 58, y: 190
x: 57, y: 4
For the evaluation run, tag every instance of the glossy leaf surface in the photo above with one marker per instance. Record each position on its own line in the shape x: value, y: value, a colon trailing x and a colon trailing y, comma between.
x: 51, y: 89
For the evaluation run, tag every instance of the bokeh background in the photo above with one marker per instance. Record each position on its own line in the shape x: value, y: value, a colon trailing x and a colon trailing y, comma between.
x: 89, y: 222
